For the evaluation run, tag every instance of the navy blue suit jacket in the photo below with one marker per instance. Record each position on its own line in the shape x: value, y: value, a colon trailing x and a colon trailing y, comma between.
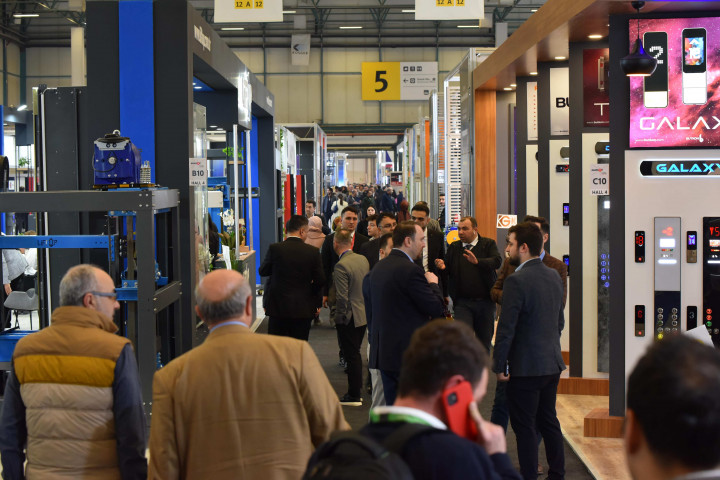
x: 531, y: 321
x: 401, y: 301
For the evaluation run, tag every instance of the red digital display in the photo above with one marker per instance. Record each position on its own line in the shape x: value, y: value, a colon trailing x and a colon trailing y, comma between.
x: 639, y: 241
x: 714, y: 231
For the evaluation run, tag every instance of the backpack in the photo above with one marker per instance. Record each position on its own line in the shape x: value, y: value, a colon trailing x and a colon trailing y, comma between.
x: 351, y: 455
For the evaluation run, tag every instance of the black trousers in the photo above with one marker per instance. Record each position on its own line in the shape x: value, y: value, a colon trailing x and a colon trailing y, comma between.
x: 290, y: 327
x: 350, y: 338
x: 531, y: 401
x: 479, y: 314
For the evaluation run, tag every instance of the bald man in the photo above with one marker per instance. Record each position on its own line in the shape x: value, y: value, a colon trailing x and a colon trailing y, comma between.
x: 241, y: 405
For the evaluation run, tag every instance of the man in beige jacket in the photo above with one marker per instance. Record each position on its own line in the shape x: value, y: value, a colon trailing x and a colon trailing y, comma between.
x: 241, y: 405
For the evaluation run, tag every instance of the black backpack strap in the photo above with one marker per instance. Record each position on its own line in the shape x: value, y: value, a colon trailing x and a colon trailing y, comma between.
x: 338, y: 438
x: 395, y: 442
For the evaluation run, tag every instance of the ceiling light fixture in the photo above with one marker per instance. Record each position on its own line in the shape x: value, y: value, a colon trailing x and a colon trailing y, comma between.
x: 197, y: 87
x: 352, y: 27
x: 408, y: 11
x: 533, y: 10
x: 468, y: 26
x: 560, y: 58
x: 595, y: 36
x: 231, y: 29
x: 513, y: 85
x: 638, y: 63
x: 507, y: 89
x: 21, y: 108
x: 533, y: 73
x: 289, y: 12
x: 26, y: 15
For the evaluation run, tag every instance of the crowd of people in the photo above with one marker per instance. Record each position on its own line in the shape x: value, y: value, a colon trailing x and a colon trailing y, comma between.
x: 249, y: 405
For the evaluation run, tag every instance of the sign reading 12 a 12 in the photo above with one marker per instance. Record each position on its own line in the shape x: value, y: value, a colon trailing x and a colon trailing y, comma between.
x: 398, y: 80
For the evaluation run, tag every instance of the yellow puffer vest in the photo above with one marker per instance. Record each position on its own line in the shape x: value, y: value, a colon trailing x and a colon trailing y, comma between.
x: 66, y: 373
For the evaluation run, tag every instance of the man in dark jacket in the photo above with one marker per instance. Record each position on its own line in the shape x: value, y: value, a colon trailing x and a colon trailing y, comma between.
x: 292, y: 294
x: 442, y: 355
x: 402, y: 300
x: 470, y: 264
x: 527, y: 351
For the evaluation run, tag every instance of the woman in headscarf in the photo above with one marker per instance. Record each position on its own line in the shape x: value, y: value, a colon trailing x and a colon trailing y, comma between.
x: 315, y: 235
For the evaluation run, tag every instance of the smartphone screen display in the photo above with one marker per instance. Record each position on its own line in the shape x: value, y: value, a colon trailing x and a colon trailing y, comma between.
x: 694, y: 50
x: 656, y: 46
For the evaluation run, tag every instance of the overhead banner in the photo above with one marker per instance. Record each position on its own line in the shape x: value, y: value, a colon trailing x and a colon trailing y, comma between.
x: 595, y: 87
x: 449, y: 10
x: 559, y: 101
x: 300, y: 49
x: 398, y: 80
x: 532, y: 111
x: 677, y: 106
x: 246, y: 11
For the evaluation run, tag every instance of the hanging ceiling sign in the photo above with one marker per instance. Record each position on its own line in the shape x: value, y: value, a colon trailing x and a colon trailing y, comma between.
x: 398, y: 80
x: 228, y: 11
x: 449, y: 10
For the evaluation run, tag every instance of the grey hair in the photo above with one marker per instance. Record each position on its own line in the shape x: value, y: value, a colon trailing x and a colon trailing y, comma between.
x: 78, y: 281
x: 231, y: 306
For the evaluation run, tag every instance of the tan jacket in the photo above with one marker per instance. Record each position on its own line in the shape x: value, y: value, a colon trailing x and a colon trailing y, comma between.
x: 241, y: 406
x: 66, y: 374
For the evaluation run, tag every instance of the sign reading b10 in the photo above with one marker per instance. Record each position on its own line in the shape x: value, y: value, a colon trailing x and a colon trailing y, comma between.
x: 398, y: 80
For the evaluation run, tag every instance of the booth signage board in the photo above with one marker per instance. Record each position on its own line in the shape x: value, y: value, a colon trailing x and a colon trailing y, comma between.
x: 398, y: 80
x: 532, y: 111
x: 198, y: 172
x: 559, y: 101
x: 449, y: 10
x: 230, y: 11
x: 506, y: 221
x: 676, y: 106
x: 599, y: 179
x: 595, y: 87
x: 679, y: 168
x: 300, y: 49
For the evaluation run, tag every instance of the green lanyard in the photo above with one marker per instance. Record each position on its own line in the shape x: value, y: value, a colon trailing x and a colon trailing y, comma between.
x: 396, y: 417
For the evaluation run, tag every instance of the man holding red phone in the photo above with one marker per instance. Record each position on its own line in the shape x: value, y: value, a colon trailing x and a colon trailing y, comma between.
x: 444, y: 374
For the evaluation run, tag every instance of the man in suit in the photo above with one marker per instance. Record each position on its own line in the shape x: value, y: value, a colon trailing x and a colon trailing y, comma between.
x: 441, y: 218
x: 350, y: 320
x: 292, y: 293
x: 527, y: 351
x: 310, y: 207
x: 386, y: 223
x: 378, y: 395
x: 500, y: 413
x: 682, y: 439
x: 349, y: 221
x: 434, y: 243
x: 241, y: 405
x: 327, y: 202
x: 470, y: 265
x: 402, y: 300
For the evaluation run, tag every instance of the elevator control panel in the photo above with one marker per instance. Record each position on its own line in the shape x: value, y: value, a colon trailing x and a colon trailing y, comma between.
x: 667, y: 276
x: 711, y: 277
x: 691, y: 247
x: 639, y: 320
x: 566, y: 214
x: 639, y: 246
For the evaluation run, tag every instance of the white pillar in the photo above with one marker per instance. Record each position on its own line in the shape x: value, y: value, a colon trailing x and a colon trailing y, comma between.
x: 77, y: 56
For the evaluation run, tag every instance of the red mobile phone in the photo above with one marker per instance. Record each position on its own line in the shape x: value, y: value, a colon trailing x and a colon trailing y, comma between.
x: 456, y: 402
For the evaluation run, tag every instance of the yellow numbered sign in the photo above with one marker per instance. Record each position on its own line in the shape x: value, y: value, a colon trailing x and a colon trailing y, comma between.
x: 381, y: 81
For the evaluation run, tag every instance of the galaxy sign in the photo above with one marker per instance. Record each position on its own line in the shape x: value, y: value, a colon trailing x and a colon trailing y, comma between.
x: 679, y: 104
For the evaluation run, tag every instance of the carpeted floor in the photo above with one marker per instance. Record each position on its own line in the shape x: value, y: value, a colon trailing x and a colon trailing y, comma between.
x: 324, y: 342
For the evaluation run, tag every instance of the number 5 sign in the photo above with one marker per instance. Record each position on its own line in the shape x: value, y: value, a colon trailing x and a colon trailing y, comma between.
x: 381, y: 81
x: 398, y: 80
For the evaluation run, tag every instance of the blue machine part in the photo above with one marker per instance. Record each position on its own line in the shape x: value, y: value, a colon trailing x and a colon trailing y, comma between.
x: 116, y: 161
x: 8, y: 340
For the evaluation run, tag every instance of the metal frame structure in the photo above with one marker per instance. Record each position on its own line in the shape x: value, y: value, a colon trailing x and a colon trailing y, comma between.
x: 151, y: 301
